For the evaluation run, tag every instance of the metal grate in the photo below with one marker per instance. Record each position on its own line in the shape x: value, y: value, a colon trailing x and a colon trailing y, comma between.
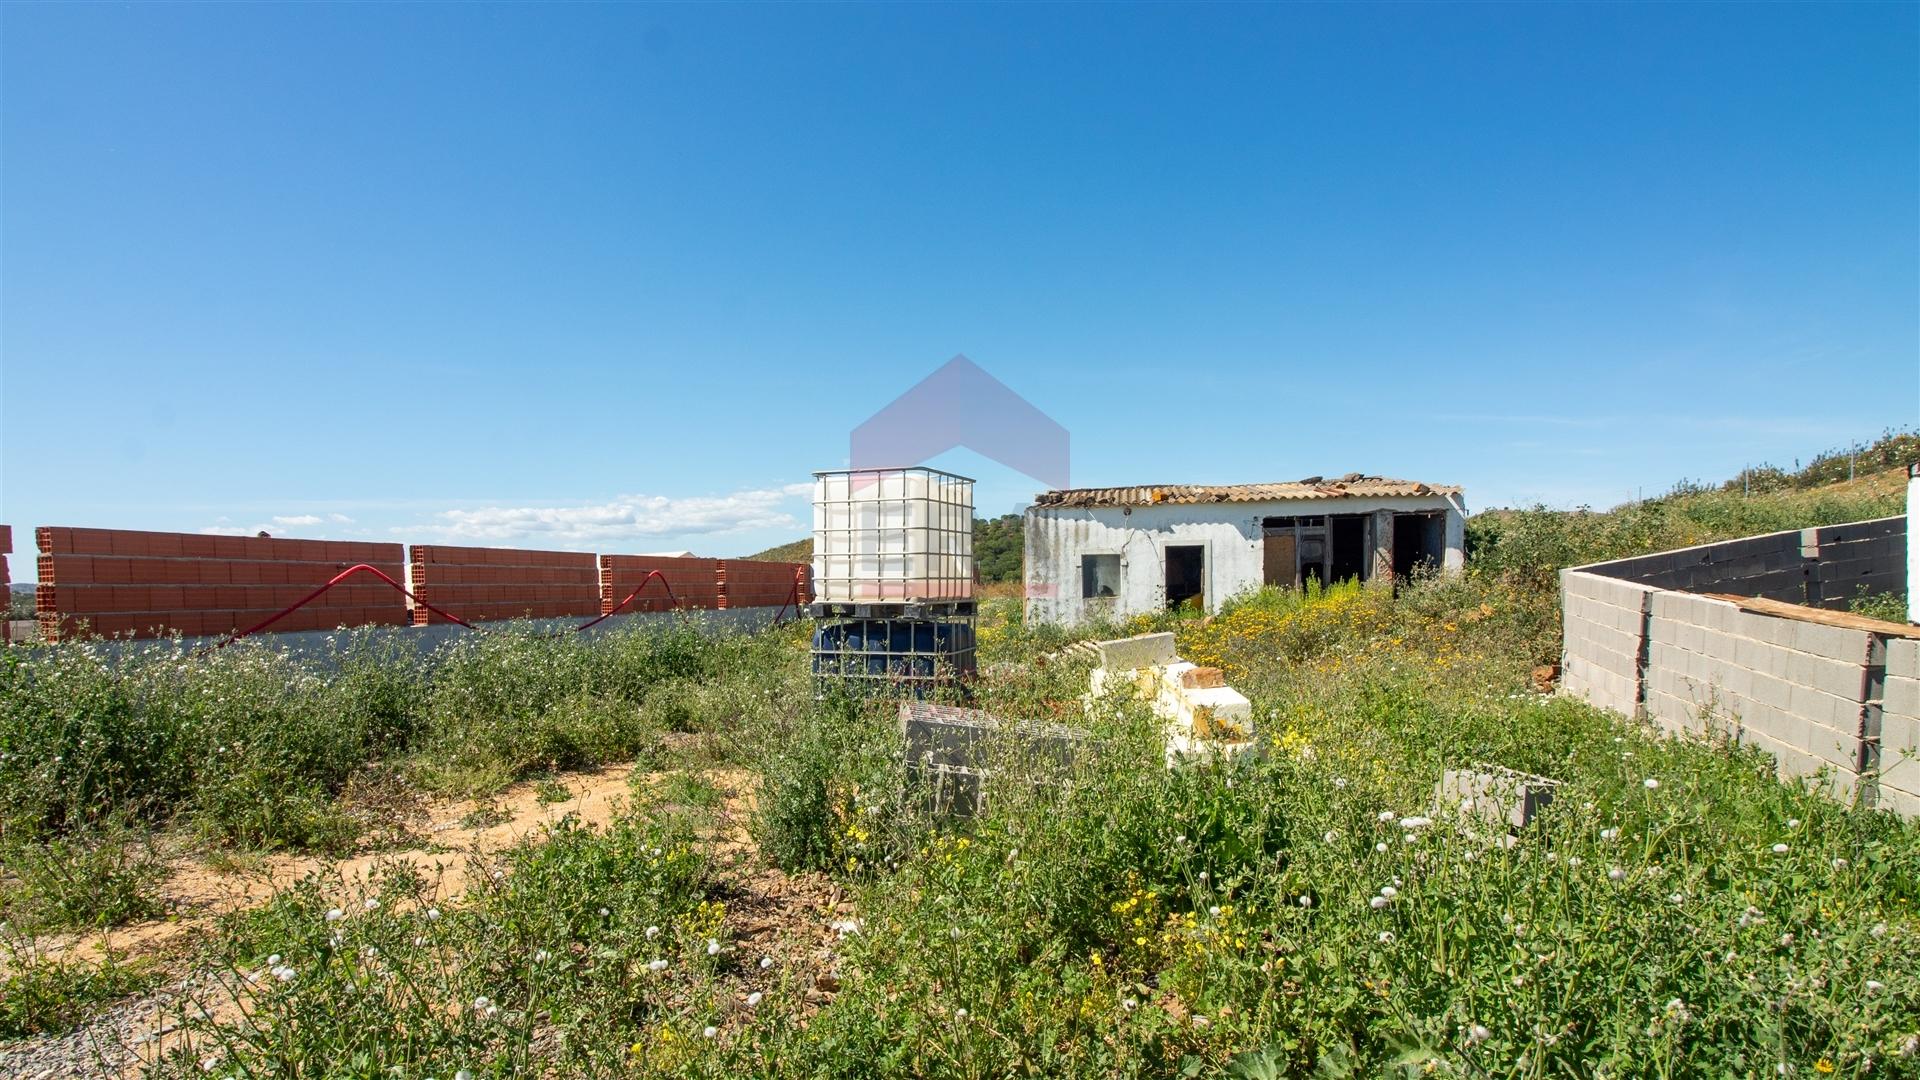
x: 913, y: 657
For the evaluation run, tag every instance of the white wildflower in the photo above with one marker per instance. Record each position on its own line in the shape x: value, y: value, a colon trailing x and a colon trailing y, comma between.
x: 371, y: 903
x: 656, y: 965
x: 1389, y: 891
x: 766, y: 962
x: 1650, y: 784
x: 1385, y: 937
x: 1384, y: 816
x: 433, y: 914
x: 1779, y: 849
x: 1306, y: 901
x: 1415, y: 822
x: 1378, y: 902
x: 709, y: 1031
x: 754, y: 999
x: 1381, y: 846
x: 1616, y: 874
x: 652, y: 932
x: 1478, y: 1033
x: 334, y: 914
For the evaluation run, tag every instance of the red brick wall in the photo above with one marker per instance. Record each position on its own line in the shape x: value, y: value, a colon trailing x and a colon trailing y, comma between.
x: 695, y: 582
x: 153, y: 583
x: 504, y: 583
x: 762, y: 584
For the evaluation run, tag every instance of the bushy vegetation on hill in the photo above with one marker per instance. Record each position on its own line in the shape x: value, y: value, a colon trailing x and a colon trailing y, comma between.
x: 1536, y: 542
x: 999, y: 547
x: 793, y: 551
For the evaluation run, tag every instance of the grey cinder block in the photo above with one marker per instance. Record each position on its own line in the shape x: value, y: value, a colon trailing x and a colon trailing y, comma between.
x: 1496, y: 795
x: 949, y: 751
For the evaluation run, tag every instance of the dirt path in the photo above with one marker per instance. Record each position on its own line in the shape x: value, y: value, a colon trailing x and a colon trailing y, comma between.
x: 796, y: 920
x: 455, y: 832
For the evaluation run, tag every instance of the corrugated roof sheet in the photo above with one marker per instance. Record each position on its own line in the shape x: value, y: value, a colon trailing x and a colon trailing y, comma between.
x: 1350, y: 486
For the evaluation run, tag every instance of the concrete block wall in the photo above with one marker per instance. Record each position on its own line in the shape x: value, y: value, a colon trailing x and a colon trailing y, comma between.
x: 1603, y: 621
x: 695, y: 582
x: 504, y: 583
x: 1795, y: 689
x: 1863, y: 554
x: 1844, y: 700
x: 102, y: 582
x: 1900, y: 730
x: 1821, y: 567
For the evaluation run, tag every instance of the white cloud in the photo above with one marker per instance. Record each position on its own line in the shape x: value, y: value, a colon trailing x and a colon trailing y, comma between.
x: 224, y: 526
x: 624, y: 517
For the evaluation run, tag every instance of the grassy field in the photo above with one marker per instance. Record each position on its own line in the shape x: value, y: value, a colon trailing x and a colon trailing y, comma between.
x: 1676, y: 912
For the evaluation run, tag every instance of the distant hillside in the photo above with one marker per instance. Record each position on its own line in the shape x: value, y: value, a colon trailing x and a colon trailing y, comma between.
x: 796, y: 551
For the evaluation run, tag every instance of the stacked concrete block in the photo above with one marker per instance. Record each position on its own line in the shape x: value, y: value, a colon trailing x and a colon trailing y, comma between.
x: 744, y: 583
x: 1772, y: 565
x: 479, y: 584
x: 1795, y: 689
x: 1870, y: 555
x: 1604, y: 630
x: 1204, y: 717
x: 1899, y: 787
x: 695, y: 583
x: 114, y: 582
x: 1823, y: 567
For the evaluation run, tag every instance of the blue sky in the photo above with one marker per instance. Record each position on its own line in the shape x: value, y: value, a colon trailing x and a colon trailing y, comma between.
x: 618, y: 278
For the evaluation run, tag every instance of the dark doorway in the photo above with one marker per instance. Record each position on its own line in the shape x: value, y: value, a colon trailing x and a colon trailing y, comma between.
x: 1186, y: 575
x: 1349, y: 546
x: 1419, y: 543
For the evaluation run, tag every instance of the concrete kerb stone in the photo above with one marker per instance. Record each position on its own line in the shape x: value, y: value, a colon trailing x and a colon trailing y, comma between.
x: 1134, y: 653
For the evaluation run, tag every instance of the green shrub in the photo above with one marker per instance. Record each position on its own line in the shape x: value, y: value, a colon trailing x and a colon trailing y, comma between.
x: 101, y: 874
x: 39, y: 996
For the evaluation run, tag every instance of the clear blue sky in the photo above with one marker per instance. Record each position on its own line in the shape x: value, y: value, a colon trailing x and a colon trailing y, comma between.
x: 614, y: 278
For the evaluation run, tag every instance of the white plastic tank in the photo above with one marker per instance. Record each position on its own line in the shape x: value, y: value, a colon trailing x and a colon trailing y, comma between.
x: 892, y: 535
